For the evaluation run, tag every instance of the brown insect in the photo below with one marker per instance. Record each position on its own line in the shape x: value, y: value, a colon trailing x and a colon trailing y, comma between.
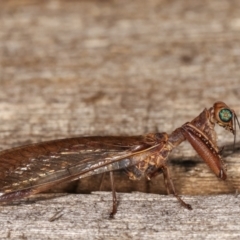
x: 37, y: 167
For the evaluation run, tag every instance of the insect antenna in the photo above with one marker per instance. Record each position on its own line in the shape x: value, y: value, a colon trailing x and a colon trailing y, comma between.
x: 235, y: 128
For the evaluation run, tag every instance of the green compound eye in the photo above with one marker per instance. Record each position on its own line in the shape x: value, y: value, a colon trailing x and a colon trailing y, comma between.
x: 225, y: 115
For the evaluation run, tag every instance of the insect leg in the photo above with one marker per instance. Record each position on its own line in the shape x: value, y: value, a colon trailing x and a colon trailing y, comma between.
x: 169, y: 184
x: 206, y: 149
x: 166, y: 182
x: 101, y: 182
x: 114, y: 196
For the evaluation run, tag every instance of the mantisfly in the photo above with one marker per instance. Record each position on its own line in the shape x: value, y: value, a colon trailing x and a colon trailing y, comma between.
x: 34, y: 168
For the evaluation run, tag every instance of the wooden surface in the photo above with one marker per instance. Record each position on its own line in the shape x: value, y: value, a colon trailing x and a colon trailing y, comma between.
x: 140, y: 216
x: 71, y: 68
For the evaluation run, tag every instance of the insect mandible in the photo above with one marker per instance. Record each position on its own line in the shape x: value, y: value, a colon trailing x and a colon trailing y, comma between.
x: 34, y: 168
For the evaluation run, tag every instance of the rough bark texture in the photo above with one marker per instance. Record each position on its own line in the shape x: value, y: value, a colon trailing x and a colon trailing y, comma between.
x: 121, y: 67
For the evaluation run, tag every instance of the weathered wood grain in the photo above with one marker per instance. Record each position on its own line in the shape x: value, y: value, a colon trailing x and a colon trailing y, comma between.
x: 121, y: 67
x: 140, y: 216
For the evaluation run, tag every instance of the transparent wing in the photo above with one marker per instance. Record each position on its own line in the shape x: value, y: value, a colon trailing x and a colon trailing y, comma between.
x: 40, y: 166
